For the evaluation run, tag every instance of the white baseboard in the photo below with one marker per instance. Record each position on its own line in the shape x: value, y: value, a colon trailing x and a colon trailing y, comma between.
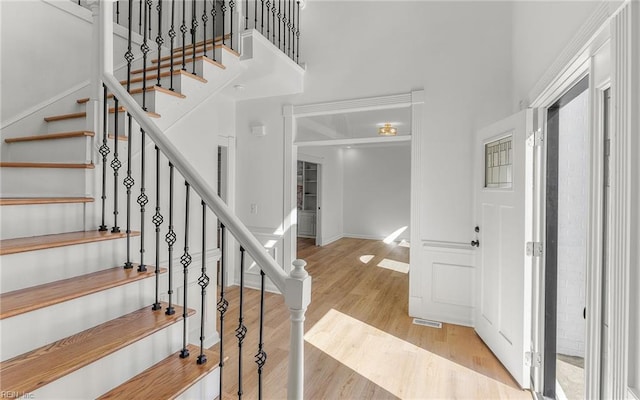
x: 331, y: 239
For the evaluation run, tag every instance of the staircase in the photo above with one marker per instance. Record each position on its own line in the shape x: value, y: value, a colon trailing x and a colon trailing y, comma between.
x: 79, y: 318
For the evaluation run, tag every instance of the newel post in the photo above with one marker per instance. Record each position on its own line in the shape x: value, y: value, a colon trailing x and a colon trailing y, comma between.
x: 297, y: 297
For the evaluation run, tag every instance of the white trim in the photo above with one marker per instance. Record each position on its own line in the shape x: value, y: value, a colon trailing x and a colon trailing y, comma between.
x: 370, y: 237
x: 331, y: 240
x: 415, y: 100
x: 344, y: 106
x: 44, y: 104
x: 633, y: 393
x: 571, y: 52
x: 355, y: 141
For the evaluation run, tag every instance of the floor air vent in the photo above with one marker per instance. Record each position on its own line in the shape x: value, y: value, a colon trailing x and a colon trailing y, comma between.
x: 426, y: 322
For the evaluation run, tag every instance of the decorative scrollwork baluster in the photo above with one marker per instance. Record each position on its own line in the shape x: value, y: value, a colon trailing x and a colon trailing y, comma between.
x: 203, y: 281
x: 261, y: 356
x: 241, y: 330
x: 185, y: 260
x: 222, y: 304
x: 104, y: 152
x: 157, y: 221
x: 171, y: 240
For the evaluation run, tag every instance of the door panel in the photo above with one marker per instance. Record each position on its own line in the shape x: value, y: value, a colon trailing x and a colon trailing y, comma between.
x: 503, y: 315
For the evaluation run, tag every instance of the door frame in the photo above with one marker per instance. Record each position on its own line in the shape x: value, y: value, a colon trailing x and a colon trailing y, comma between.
x: 318, y: 161
x: 577, y: 61
x: 414, y: 100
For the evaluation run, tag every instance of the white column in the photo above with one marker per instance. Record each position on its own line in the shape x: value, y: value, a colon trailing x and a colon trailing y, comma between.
x: 297, y: 297
x: 623, y: 243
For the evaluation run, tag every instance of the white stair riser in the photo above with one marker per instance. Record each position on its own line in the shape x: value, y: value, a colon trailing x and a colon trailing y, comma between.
x: 206, y: 388
x: 49, y: 324
x: 41, y: 219
x: 67, y: 182
x: 106, y: 373
x: 33, y: 268
x: 71, y: 150
x: 80, y: 124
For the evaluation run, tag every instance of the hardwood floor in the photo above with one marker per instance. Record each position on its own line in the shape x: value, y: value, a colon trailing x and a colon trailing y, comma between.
x: 360, y: 342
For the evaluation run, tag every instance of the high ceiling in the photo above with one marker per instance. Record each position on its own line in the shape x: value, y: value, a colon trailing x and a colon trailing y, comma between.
x: 353, y: 125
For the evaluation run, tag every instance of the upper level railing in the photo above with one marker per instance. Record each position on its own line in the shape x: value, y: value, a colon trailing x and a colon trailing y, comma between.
x: 158, y: 187
x: 184, y: 23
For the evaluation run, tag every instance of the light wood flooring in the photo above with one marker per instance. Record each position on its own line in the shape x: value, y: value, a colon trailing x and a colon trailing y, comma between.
x: 360, y: 342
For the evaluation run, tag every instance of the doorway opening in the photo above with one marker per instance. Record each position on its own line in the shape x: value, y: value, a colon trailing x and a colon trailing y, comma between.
x: 308, y: 196
x: 567, y: 213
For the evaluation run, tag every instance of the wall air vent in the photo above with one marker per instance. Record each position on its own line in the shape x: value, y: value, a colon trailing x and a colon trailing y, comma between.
x: 426, y: 322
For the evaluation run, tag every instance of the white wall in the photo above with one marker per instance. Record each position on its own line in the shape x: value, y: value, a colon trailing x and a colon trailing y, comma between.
x: 331, y: 189
x: 572, y: 226
x: 377, y: 184
x: 541, y: 30
x: 459, y: 52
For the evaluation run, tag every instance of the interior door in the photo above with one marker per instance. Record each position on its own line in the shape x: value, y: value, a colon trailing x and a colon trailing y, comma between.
x: 503, y: 193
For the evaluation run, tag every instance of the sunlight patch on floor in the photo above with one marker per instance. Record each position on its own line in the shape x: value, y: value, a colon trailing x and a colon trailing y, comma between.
x: 389, y: 239
x: 401, y: 368
x: 393, y: 265
x: 366, y: 258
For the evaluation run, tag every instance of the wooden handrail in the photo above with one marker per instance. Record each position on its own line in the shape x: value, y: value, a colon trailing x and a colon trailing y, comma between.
x: 198, y: 183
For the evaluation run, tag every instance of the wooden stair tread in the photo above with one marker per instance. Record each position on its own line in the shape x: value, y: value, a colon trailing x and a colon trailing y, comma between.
x: 51, y: 136
x: 18, y: 245
x: 33, y: 298
x: 32, y: 370
x: 45, y: 165
x: 165, y: 74
x: 168, y: 64
x: 21, y: 201
x: 139, y: 90
x: 83, y: 114
x: 167, y: 379
x: 177, y: 52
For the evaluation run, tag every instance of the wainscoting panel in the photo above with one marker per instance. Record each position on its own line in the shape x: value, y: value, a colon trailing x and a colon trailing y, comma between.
x: 273, y: 244
x: 442, y: 286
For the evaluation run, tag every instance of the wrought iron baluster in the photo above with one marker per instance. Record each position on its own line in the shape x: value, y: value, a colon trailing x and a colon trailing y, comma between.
x: 223, y: 8
x: 246, y: 14
x: 279, y: 23
x: 139, y: 17
x: 194, y: 27
x: 241, y: 330
x: 128, y: 181
x: 159, y: 40
x: 183, y: 29
x: 115, y: 164
x: 172, y: 35
x: 157, y: 221
x: 262, y: 17
x: 268, y: 4
x: 203, y: 281
x: 232, y: 5
x: 255, y: 14
x: 213, y: 29
x: 261, y: 356
x: 185, y: 260
x: 293, y: 33
x: 117, y: 11
x: 149, y: 4
x: 142, y: 201
x: 145, y: 49
x: 205, y: 18
x: 298, y: 35
x: 222, y: 304
x: 284, y: 28
x: 171, y: 240
x: 273, y: 25
x: 290, y: 26
x: 104, y: 152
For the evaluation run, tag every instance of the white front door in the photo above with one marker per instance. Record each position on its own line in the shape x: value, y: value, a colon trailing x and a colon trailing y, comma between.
x: 503, y: 189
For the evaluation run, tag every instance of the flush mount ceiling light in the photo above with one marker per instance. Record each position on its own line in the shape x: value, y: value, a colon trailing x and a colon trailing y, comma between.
x: 387, y: 130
